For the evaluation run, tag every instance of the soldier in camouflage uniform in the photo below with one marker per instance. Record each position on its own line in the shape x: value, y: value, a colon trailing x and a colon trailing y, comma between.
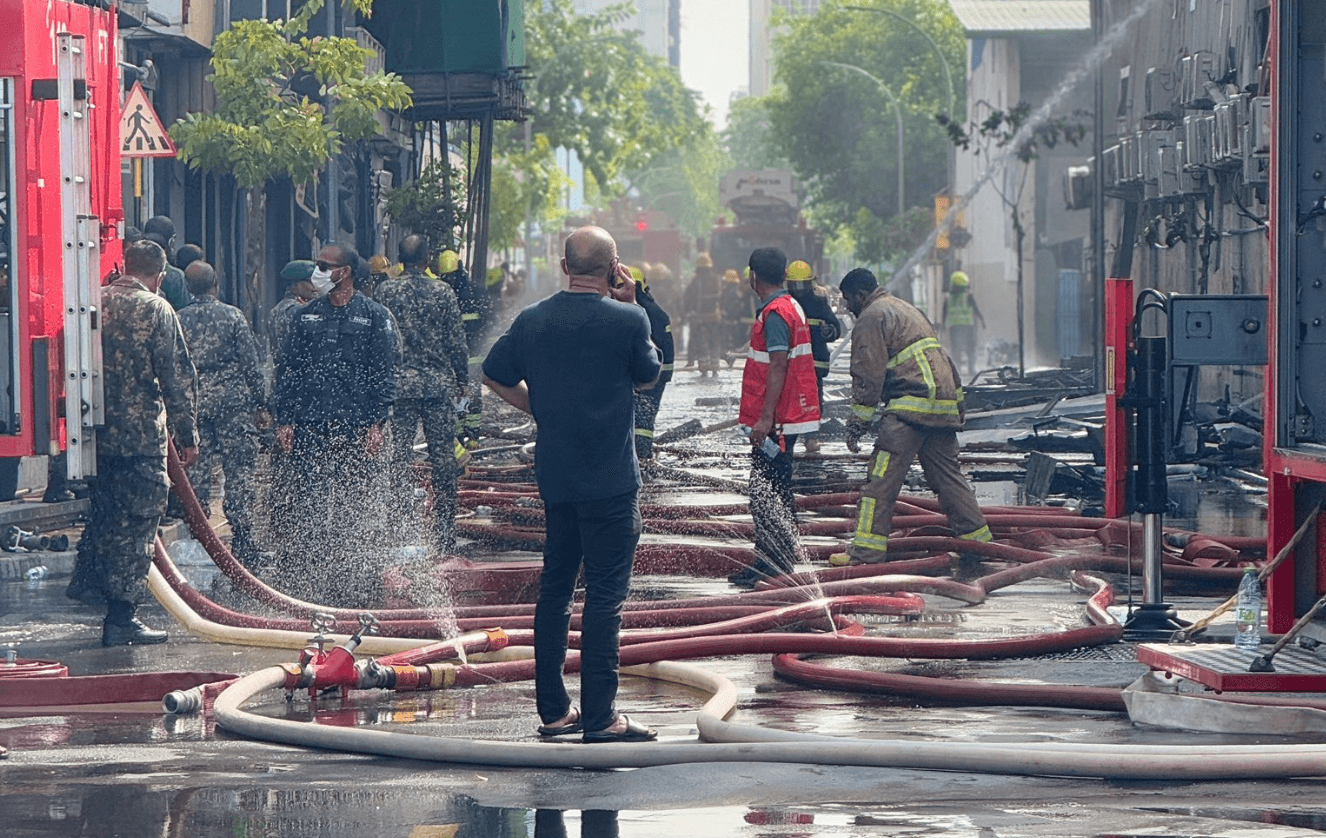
x: 432, y: 374
x: 231, y: 399
x: 150, y: 387
x: 298, y: 290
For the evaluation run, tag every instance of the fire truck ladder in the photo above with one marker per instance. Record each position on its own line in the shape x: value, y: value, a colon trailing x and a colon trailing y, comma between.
x: 80, y: 231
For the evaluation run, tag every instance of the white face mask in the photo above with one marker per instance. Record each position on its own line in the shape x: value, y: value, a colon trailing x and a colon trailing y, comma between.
x: 322, y: 281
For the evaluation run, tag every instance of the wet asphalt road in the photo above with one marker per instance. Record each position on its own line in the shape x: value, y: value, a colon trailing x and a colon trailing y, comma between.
x: 142, y: 773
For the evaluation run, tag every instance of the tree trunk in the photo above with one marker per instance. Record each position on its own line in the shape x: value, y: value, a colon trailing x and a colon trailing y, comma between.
x: 255, y: 250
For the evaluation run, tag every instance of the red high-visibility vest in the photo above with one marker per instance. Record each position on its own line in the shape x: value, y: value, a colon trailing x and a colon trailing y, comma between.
x: 798, y: 409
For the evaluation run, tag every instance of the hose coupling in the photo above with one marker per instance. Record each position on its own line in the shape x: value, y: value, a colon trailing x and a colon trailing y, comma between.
x: 183, y: 702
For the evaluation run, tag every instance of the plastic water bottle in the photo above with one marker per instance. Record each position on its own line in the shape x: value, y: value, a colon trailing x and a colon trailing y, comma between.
x: 1248, y: 613
x: 35, y: 574
x: 768, y: 446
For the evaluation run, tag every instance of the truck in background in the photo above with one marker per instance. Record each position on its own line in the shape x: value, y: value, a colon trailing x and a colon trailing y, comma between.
x: 765, y: 209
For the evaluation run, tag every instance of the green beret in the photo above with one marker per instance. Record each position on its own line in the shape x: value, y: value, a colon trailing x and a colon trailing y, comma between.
x: 300, y: 270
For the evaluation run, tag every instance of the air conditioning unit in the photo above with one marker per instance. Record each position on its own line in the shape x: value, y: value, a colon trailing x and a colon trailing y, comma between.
x: 1109, y: 168
x: 1198, y: 141
x: 1150, y: 145
x: 1167, y: 172
x: 1190, y: 181
x: 1130, y: 168
x: 1158, y: 94
x: 1194, y: 73
x: 1224, y: 122
x: 1259, y: 125
x: 1078, y: 186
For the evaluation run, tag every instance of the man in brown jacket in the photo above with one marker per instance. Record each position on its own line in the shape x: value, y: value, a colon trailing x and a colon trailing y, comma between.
x: 900, y: 370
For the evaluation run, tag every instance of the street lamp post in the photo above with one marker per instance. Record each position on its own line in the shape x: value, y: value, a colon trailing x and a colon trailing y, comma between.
x: 943, y: 60
x: 897, y: 109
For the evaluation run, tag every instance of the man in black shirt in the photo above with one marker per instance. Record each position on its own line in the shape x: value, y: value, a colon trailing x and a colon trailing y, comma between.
x: 573, y: 361
x: 334, y: 388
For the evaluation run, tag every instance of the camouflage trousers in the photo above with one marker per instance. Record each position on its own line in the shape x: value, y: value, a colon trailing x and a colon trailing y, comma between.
x: 438, y: 417
x: 228, y: 444
x: 128, y: 497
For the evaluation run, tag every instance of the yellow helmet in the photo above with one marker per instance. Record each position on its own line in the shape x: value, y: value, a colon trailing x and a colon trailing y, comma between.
x: 493, y: 277
x: 959, y: 280
x: 730, y: 275
x: 638, y: 275
x: 704, y: 261
x: 447, y: 262
x: 378, y: 264
x: 800, y: 271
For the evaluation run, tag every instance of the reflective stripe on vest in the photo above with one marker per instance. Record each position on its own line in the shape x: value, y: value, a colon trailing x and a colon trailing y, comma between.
x: 473, y: 315
x: 798, y: 408
x: 960, y: 310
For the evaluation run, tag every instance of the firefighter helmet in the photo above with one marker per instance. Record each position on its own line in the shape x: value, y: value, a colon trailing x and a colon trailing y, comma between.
x: 704, y: 261
x: 959, y: 280
x: 731, y: 275
x: 800, y: 271
x: 447, y: 262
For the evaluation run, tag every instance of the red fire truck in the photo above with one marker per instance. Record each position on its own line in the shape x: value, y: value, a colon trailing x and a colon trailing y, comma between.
x: 60, y: 224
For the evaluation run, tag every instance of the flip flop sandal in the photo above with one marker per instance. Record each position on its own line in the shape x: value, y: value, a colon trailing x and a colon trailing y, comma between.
x: 575, y: 726
x: 635, y: 732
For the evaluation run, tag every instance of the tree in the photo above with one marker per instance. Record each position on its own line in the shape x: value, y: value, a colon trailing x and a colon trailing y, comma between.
x: 431, y: 205
x: 1003, y: 134
x: 285, y: 104
x: 838, y: 127
x: 749, y: 136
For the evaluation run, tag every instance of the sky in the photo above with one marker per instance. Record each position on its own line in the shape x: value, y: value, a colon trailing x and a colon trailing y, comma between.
x: 714, y: 47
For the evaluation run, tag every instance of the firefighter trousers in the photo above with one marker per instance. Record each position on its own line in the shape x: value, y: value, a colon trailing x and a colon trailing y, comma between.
x: 896, y: 446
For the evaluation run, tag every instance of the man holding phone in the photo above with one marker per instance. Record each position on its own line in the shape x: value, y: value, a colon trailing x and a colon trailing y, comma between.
x: 574, y: 360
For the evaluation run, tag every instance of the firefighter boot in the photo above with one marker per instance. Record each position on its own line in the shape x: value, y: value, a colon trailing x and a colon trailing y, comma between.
x: 122, y: 628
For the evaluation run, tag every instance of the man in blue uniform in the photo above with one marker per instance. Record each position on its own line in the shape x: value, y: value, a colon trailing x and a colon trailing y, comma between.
x: 334, y: 391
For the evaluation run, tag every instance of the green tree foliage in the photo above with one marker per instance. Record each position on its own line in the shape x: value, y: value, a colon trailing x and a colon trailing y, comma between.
x: 749, y: 136
x: 431, y: 204
x: 839, y: 129
x: 626, y: 115
x: 286, y: 102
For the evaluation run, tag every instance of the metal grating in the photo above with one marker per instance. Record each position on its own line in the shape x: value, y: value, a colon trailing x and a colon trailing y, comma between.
x: 1222, y: 667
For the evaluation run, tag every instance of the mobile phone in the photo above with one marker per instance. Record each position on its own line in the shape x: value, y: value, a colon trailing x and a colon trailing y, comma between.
x: 614, y: 281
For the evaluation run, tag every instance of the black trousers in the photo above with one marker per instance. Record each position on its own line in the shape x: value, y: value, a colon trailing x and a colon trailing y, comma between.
x: 599, y: 535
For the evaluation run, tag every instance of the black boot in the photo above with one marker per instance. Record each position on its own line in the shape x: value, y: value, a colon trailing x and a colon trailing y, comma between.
x: 123, y: 629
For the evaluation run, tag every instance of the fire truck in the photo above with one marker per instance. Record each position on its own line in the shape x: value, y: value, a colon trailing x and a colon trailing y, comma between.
x: 60, y: 227
x: 765, y: 210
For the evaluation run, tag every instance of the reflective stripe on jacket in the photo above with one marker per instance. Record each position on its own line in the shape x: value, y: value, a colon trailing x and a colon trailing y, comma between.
x: 898, y: 362
x: 798, y: 409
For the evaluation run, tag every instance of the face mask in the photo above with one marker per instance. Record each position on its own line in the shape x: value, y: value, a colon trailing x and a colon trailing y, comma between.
x: 322, y: 281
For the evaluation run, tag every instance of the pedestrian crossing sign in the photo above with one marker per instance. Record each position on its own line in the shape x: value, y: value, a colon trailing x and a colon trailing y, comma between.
x: 141, y: 132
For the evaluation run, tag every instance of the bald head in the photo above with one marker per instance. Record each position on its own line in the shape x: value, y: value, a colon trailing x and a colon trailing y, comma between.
x: 200, y: 277
x: 590, y: 251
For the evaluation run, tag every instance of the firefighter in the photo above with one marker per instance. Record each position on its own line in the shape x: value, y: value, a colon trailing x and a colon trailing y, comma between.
x: 824, y: 325
x: 738, y: 314
x: 476, y: 315
x: 647, y: 399
x: 900, y: 370
x: 959, y: 316
x: 703, y: 315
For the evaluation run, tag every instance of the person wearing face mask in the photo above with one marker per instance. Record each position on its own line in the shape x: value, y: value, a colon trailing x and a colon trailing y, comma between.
x: 334, y: 391
x: 778, y: 402
x: 901, y: 374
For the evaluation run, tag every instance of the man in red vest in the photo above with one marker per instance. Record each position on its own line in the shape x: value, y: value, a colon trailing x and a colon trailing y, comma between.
x: 778, y: 401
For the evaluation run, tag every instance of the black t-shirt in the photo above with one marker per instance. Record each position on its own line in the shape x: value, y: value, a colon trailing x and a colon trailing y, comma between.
x: 581, y: 356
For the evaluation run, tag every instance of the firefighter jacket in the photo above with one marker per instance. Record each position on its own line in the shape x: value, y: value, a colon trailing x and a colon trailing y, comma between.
x: 338, y: 366
x: 798, y: 408
x: 434, y: 360
x: 824, y: 325
x: 476, y: 311
x: 660, y: 332
x: 897, y: 362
